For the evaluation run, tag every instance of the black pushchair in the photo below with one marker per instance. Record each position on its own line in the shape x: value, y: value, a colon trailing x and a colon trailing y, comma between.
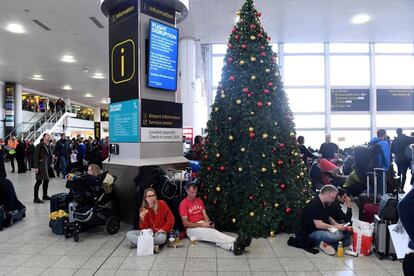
x: 91, y: 205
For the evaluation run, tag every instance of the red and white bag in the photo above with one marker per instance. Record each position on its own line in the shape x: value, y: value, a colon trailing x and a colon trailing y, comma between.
x: 363, y: 235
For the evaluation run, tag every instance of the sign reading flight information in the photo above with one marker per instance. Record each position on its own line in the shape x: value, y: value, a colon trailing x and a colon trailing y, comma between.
x: 395, y: 99
x: 123, y: 122
x: 163, y: 56
x: 350, y: 99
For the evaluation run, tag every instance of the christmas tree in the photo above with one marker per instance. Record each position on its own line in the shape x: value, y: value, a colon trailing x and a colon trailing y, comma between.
x: 253, y: 180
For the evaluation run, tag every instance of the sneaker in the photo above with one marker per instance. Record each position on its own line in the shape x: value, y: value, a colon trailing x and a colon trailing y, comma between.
x: 37, y: 200
x: 329, y: 250
x: 238, y: 246
x: 46, y: 197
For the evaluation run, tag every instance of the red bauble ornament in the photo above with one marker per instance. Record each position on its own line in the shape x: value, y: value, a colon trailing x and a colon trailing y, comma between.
x: 230, y: 59
x: 222, y: 168
x: 251, y: 198
x: 282, y: 186
x: 252, y: 26
x: 266, y: 91
x: 231, y: 78
x: 288, y: 211
x: 259, y: 35
x: 229, y: 45
x: 269, y: 38
x: 282, y: 145
x: 259, y: 104
x: 280, y: 162
x: 237, y: 37
x: 264, y: 204
x: 234, y: 29
x: 244, y: 46
x: 251, y: 134
x: 270, y: 84
x: 245, y: 90
x: 274, y: 149
x: 249, y: 95
x: 206, y: 156
x: 216, y: 129
x: 205, y: 197
x: 262, y: 47
x: 259, y: 14
x: 209, y: 168
x: 263, y: 54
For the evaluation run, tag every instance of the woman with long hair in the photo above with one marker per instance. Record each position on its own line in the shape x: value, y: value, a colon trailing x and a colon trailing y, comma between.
x: 154, y: 214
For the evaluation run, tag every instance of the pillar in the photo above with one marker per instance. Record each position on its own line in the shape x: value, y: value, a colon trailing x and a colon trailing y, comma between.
x: 68, y: 104
x: 2, y: 95
x: 97, y: 114
x: 18, y: 114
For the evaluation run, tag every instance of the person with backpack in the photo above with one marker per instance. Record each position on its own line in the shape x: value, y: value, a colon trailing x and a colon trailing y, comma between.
x: 381, y: 148
x: 398, y: 147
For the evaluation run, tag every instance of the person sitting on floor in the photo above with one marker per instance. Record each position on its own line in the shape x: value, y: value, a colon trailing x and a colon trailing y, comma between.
x: 320, y: 226
x: 155, y: 215
x: 335, y: 209
x: 199, y: 226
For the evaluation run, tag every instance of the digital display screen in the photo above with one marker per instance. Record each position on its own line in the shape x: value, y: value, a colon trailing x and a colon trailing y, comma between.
x: 163, y: 56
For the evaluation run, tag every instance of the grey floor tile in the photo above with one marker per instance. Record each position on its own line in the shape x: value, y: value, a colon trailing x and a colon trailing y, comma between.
x: 14, y: 260
x: 138, y: 263
x: 268, y: 273
x: 397, y: 272
x: 361, y: 263
x: 232, y: 264
x: 113, y: 263
x: 297, y: 264
x: 121, y: 272
x: 201, y: 264
x: 330, y: 263
x: 234, y: 273
x: 70, y: 262
x: 302, y: 273
x: 6, y: 269
x: 85, y: 272
x: 202, y: 252
x: 41, y: 261
x: 165, y: 273
x: 264, y: 264
x: 200, y: 273
x: 105, y: 272
x: 168, y: 252
x: 337, y: 273
x: 52, y: 271
x: 372, y: 273
x: 26, y: 271
x: 169, y: 264
x: 94, y: 262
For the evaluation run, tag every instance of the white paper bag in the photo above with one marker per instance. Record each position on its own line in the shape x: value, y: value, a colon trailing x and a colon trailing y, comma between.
x: 145, y: 243
x: 400, y: 239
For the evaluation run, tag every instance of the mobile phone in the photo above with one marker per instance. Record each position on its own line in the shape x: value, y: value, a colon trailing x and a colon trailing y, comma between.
x: 347, y: 224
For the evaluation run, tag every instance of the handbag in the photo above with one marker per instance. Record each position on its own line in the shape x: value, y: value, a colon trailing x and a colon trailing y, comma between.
x: 51, y: 172
x: 57, y: 226
x: 145, y: 243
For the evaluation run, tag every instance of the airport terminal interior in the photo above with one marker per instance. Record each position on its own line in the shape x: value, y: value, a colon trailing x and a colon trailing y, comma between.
x: 206, y: 137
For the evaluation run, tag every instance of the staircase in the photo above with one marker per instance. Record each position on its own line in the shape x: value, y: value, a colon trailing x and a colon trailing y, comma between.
x: 34, y: 129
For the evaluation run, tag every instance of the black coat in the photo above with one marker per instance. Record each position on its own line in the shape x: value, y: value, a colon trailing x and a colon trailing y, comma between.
x: 42, y: 161
x: 20, y: 151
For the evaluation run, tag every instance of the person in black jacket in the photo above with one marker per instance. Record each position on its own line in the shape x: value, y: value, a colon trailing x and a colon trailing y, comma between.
x: 335, y: 209
x: 305, y: 153
x: 328, y: 149
x: 398, y: 146
x: 20, y: 155
x: 62, y: 151
x: 3, y: 153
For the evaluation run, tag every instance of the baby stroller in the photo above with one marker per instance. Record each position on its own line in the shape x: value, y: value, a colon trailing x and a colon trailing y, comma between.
x: 92, y: 205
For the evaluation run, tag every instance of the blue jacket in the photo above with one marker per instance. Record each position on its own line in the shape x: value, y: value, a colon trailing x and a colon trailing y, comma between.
x: 406, y: 211
x: 81, y: 151
x: 385, y: 164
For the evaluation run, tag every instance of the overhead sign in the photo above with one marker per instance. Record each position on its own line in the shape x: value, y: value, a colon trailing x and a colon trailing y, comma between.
x: 97, y: 129
x: 154, y: 10
x: 123, y: 52
x: 350, y: 99
x: 395, y: 99
x: 161, y: 121
x: 163, y: 56
x: 9, y: 106
x: 123, y: 122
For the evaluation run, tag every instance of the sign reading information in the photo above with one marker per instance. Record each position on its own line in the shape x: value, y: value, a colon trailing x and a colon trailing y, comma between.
x: 395, y: 99
x: 9, y: 106
x: 161, y: 121
x: 123, y: 122
x: 163, y: 56
x: 350, y: 99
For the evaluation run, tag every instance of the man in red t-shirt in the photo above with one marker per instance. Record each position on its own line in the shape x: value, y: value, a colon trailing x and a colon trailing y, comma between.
x: 199, y: 226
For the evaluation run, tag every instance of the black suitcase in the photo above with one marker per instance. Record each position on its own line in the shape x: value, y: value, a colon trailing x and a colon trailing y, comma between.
x: 369, y: 203
x: 383, y: 246
x: 12, y: 217
x: 58, y: 202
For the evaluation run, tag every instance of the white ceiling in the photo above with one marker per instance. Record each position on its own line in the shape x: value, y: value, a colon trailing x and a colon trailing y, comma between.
x: 210, y: 21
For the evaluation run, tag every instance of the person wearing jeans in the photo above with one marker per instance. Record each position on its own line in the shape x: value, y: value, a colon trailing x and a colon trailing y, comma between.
x: 199, y: 226
x: 320, y: 226
x: 155, y: 215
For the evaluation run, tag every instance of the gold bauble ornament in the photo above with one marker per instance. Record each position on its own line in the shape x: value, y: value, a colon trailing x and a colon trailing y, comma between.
x: 263, y: 155
x: 218, y: 189
x: 275, y: 171
x: 267, y: 70
x: 252, y: 113
x: 265, y: 136
x: 276, y: 205
x: 274, y: 137
x: 309, y: 183
x: 223, y: 96
x: 242, y: 149
x: 238, y: 12
x: 216, y: 109
x: 217, y: 155
x: 251, y: 214
x: 264, y: 170
x: 238, y: 101
x: 231, y: 137
x: 253, y: 77
x: 292, y: 134
x: 296, y: 154
x: 229, y: 118
x: 242, y: 62
x: 240, y: 169
x: 253, y: 59
x: 261, y: 185
x: 251, y: 129
x: 252, y: 37
x: 272, y: 234
x: 301, y: 174
x: 233, y: 220
x: 297, y: 177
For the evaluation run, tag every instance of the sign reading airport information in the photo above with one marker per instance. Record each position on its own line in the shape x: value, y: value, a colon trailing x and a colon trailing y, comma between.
x: 395, y: 99
x: 163, y: 56
x: 123, y: 122
x: 350, y: 99
x: 161, y: 12
x: 161, y: 121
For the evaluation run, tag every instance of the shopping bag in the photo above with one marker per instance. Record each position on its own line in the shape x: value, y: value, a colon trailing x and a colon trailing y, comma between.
x: 145, y: 243
x: 362, y: 236
x: 73, y: 158
x: 400, y: 239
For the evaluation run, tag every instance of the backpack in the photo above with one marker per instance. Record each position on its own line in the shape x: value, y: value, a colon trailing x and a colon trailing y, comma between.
x: 366, y: 158
x: 408, y: 152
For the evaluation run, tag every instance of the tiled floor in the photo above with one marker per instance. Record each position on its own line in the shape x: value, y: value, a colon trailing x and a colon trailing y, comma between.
x: 30, y: 248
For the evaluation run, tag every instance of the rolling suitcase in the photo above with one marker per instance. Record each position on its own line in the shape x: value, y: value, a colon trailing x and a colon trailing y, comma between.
x: 383, y: 246
x: 369, y: 204
x: 58, y: 202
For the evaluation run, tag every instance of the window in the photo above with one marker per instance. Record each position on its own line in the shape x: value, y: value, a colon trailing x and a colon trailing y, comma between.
x: 394, y: 121
x: 219, y: 49
x: 394, y: 70
x: 349, y: 48
x: 349, y: 70
x: 304, y: 70
x: 306, y: 99
x: 303, y: 48
x: 394, y: 48
x: 349, y: 138
x: 313, y: 138
x: 350, y: 121
x: 217, y: 66
x: 309, y: 121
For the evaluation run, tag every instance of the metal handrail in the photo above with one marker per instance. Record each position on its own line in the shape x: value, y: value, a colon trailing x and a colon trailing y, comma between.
x: 43, y: 126
x: 15, y: 132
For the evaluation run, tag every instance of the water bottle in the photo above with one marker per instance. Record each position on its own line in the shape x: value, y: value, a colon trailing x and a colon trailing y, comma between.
x: 340, y: 249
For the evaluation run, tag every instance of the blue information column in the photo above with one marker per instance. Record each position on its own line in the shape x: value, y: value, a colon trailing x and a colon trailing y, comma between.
x: 123, y: 122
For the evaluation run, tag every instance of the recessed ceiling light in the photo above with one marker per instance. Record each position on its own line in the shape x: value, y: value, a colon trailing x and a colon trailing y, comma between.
x: 67, y: 87
x: 15, y: 28
x: 88, y: 95
x: 360, y: 19
x: 98, y: 76
x: 67, y: 58
x: 37, y: 77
